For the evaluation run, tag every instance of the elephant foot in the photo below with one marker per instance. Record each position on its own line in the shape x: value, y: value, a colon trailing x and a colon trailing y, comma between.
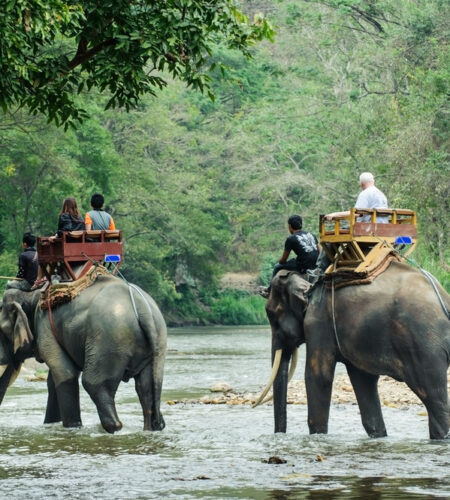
x: 75, y: 423
x: 377, y: 434
x: 318, y: 428
x: 440, y: 435
x: 157, y: 424
x: 112, y: 427
x: 52, y: 420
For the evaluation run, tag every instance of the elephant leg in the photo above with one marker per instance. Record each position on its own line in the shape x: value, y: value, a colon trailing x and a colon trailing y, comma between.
x: 438, y: 418
x: 52, y: 413
x: 149, y: 392
x: 319, y: 375
x: 64, y: 382
x: 280, y: 386
x: 102, y: 394
x: 365, y: 386
x: 5, y: 380
x: 432, y: 391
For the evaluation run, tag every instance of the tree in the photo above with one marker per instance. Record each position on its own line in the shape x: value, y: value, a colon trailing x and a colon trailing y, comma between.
x: 51, y: 50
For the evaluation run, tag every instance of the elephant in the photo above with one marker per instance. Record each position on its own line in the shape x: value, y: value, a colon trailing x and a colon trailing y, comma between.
x: 397, y: 325
x: 111, y: 331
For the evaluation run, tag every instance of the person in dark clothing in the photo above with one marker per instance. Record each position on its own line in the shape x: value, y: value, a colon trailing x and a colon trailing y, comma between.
x: 97, y: 218
x: 303, y: 243
x: 28, y: 264
x: 69, y: 218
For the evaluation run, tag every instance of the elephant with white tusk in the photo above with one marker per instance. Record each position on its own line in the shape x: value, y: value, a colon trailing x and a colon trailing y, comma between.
x: 111, y: 331
x: 398, y: 325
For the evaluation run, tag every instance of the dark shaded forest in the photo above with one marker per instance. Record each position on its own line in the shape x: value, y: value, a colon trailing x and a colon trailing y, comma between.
x: 201, y: 187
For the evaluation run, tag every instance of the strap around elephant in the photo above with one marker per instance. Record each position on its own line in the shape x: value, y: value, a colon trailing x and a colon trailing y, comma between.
x: 50, y: 317
x: 134, y: 287
x: 432, y: 280
x: 428, y: 275
x: 333, y: 315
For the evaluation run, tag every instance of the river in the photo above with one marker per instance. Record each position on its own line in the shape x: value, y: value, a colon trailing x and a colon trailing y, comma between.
x: 214, y: 451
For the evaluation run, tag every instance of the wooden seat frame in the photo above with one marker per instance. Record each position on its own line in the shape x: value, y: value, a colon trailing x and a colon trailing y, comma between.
x: 72, y: 255
x: 361, y: 246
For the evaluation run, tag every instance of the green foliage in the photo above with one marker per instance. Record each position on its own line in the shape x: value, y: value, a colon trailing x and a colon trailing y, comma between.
x: 51, y: 51
x: 266, y: 269
x: 8, y: 267
x: 200, y: 187
x: 238, y: 308
x: 426, y: 260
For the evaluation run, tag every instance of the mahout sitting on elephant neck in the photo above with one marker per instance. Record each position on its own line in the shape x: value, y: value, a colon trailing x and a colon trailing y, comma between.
x: 393, y: 326
x: 99, y: 335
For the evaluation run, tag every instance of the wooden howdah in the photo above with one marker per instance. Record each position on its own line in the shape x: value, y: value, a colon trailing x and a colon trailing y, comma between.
x: 361, y: 246
x: 72, y: 255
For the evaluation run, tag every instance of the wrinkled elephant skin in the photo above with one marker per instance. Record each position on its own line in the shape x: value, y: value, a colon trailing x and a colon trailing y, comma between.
x: 393, y: 326
x: 98, y: 334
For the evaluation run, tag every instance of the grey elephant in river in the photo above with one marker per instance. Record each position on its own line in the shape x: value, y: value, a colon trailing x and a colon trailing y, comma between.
x: 396, y: 326
x: 112, y: 331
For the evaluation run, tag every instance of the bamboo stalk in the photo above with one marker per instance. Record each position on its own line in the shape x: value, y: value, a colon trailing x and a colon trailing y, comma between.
x: 10, y: 278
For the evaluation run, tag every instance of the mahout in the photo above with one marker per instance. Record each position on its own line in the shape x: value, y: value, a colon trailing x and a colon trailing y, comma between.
x: 111, y: 331
x: 395, y: 326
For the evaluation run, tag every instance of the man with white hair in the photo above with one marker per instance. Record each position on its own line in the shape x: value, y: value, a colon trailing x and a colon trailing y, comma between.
x: 369, y: 197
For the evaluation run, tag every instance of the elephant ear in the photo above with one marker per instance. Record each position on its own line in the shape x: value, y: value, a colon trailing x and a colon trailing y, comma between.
x: 298, y: 294
x: 22, y: 333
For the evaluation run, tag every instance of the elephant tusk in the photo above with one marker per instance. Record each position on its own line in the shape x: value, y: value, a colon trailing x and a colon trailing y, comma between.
x: 291, y: 372
x: 293, y: 364
x: 276, y: 365
x: 3, y: 369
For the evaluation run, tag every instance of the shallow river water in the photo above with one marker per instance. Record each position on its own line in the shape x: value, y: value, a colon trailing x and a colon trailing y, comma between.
x: 214, y: 451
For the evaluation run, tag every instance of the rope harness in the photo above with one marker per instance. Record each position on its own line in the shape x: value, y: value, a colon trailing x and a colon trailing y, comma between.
x: 50, y: 318
x: 433, y: 282
x: 334, y: 316
x: 132, y: 287
x: 59, y: 294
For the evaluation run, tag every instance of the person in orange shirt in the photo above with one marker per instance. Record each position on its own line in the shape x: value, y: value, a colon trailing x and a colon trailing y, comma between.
x: 97, y: 218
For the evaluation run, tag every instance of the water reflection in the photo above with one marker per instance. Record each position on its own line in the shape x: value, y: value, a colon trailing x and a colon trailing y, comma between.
x: 212, y: 451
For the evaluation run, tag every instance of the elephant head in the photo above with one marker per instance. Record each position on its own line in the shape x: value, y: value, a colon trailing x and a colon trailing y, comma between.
x: 16, y: 337
x: 285, y: 308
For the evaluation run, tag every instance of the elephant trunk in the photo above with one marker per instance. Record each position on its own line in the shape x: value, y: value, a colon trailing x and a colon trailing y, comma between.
x: 280, y: 393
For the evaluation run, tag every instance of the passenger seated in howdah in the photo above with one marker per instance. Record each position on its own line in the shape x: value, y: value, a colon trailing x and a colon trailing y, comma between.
x: 73, y: 251
x: 69, y: 218
x: 369, y: 197
x: 97, y: 218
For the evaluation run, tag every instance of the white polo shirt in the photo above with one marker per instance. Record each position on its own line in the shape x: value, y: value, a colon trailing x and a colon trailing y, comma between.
x: 371, y: 197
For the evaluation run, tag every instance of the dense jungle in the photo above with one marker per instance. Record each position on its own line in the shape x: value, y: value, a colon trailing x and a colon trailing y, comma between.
x: 202, y: 185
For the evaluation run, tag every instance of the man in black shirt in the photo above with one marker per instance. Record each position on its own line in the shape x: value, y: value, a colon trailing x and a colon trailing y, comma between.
x: 304, y: 245
x: 28, y: 264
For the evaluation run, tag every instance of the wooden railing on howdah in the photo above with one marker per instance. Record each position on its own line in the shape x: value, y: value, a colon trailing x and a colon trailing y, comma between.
x: 72, y: 255
x: 355, y: 245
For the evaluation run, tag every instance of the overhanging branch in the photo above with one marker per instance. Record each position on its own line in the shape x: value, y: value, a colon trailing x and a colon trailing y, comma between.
x: 84, y: 55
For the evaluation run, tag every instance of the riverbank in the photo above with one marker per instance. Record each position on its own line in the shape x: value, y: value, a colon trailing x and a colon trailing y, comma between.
x: 392, y: 393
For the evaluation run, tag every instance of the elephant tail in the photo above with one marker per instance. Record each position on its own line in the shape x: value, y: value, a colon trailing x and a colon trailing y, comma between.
x: 153, y: 326
x: 146, y: 317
